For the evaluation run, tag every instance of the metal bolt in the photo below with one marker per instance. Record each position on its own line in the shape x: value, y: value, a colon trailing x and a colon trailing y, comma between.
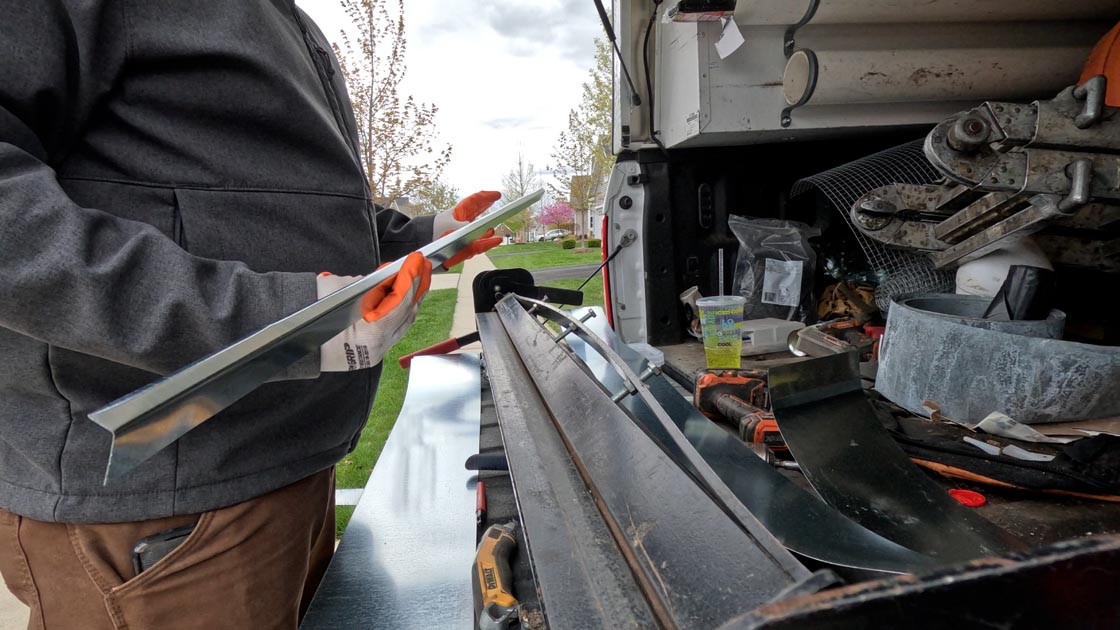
x: 568, y: 331
x: 968, y: 134
x: 620, y: 395
x: 874, y: 214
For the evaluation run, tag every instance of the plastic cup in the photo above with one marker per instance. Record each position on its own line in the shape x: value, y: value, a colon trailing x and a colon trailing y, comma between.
x: 721, y: 323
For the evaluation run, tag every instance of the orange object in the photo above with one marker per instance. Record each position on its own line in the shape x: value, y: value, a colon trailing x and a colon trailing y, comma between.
x: 741, y: 398
x: 952, y: 472
x: 1105, y: 59
x: 486, y: 242
x: 473, y: 205
x: 468, y: 210
x: 385, y: 297
x: 968, y: 498
x: 760, y: 427
x: 747, y: 385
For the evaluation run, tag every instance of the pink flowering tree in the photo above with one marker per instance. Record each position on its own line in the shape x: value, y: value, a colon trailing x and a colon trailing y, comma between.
x: 556, y: 214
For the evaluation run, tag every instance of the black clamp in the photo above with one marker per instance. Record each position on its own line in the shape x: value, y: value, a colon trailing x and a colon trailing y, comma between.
x: 491, y: 286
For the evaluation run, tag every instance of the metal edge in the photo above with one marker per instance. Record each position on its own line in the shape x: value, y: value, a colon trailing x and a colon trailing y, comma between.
x: 581, y: 576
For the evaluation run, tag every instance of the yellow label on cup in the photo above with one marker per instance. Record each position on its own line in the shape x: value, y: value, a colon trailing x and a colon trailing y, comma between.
x: 721, y: 322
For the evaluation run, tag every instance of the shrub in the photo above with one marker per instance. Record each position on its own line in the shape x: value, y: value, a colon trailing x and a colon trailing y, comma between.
x: 568, y: 244
x: 594, y: 242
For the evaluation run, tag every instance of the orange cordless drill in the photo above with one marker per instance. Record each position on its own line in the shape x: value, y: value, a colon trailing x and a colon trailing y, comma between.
x: 741, y: 398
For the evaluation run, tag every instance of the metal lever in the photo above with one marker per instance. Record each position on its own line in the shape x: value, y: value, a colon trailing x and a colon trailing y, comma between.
x: 1080, y: 173
x: 1092, y: 92
x: 633, y: 384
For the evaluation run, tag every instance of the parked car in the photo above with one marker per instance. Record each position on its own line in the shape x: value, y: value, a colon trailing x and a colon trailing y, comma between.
x: 552, y: 235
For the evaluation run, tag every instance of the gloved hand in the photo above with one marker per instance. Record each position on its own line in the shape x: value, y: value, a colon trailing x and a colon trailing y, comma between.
x: 388, y: 310
x: 466, y: 211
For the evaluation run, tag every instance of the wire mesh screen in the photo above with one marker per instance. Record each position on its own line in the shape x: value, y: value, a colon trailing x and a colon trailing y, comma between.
x: 899, y: 271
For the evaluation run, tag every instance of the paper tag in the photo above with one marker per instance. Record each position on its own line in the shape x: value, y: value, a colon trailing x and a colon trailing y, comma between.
x: 730, y: 40
x: 781, y: 284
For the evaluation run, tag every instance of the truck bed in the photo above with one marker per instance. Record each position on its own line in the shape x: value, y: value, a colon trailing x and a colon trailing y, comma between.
x: 1038, y: 519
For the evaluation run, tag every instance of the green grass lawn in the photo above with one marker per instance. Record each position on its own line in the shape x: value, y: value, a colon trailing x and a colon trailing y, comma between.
x: 524, y: 248
x: 592, y: 293
x: 555, y: 257
x: 433, y: 324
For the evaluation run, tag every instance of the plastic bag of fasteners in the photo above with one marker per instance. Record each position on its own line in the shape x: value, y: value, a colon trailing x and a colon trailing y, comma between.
x: 775, y: 268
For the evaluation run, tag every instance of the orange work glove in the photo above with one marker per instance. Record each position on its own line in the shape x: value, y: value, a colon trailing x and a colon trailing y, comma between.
x: 464, y: 212
x: 387, y: 311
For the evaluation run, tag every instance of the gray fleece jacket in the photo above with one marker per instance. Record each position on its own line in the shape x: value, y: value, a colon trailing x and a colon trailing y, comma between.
x: 172, y: 175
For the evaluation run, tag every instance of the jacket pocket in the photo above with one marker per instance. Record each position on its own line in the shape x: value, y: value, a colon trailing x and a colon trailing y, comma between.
x: 147, y: 204
x: 279, y: 231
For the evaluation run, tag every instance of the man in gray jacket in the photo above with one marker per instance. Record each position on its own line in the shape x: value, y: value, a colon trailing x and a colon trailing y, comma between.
x: 173, y: 175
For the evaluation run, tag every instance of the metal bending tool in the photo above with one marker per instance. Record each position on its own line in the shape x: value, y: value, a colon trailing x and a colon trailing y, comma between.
x: 152, y: 418
x: 1011, y: 170
x: 578, y: 568
x: 664, y: 522
x: 795, y: 517
x: 833, y: 432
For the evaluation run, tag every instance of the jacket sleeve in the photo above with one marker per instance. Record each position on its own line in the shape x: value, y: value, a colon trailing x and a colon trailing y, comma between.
x: 81, y: 278
x: 398, y: 235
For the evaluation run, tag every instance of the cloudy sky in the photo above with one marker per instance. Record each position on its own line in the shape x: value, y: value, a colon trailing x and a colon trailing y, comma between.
x: 504, y: 74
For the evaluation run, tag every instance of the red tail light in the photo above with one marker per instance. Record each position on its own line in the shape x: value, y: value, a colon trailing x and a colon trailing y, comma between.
x: 606, y: 275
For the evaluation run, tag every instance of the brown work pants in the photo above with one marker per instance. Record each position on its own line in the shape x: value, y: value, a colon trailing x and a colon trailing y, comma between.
x: 251, y: 565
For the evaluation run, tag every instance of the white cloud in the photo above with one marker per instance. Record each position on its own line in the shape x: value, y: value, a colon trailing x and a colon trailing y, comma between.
x: 504, y: 74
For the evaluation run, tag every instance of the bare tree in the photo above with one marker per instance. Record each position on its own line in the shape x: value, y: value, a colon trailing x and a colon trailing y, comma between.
x: 397, y: 134
x: 518, y: 182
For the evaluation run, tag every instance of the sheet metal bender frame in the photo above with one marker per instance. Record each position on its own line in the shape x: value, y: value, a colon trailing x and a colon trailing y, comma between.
x: 663, y: 520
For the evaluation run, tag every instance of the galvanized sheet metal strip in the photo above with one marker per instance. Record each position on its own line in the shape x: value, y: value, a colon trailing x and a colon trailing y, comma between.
x: 152, y: 418
x: 854, y: 464
x: 405, y: 559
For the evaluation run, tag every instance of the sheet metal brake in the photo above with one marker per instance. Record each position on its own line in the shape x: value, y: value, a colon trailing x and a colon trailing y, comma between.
x: 792, y: 515
x: 665, y: 521
x: 150, y: 419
